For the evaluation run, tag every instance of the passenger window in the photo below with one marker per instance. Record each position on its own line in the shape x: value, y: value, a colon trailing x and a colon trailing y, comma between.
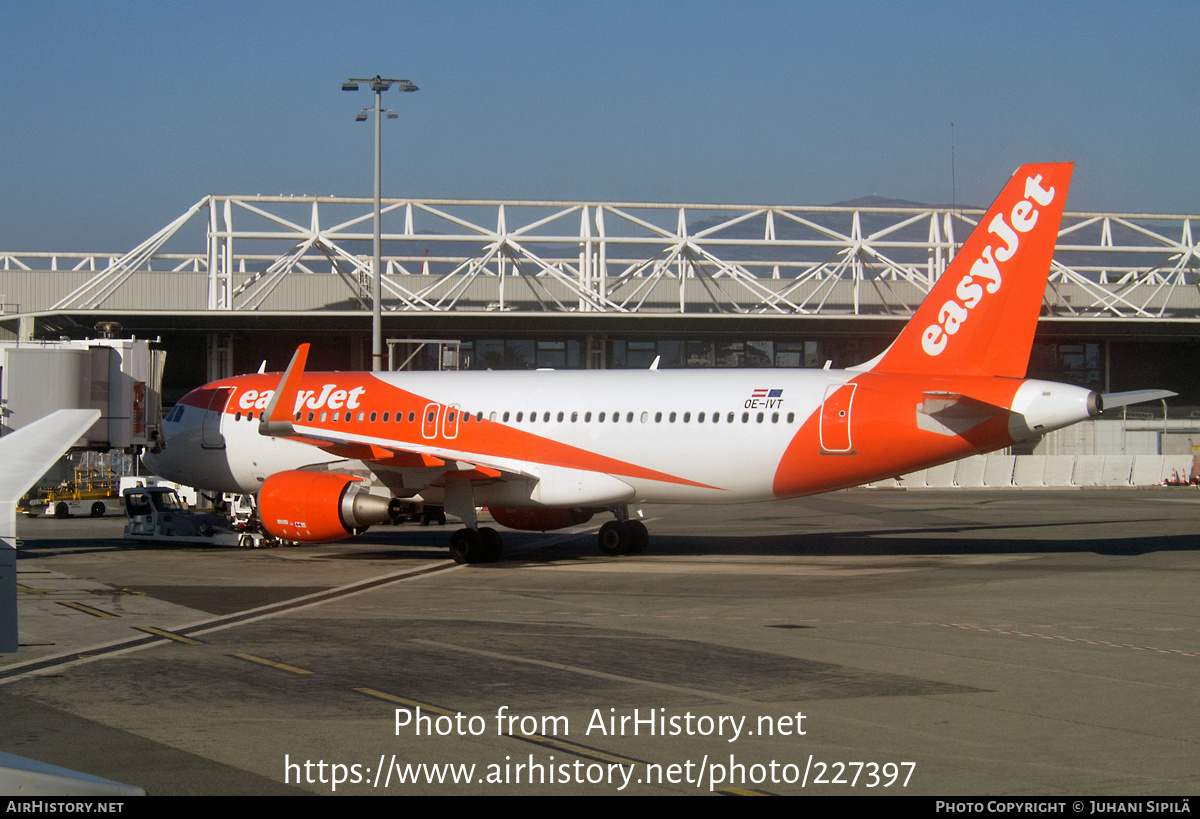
x: 600, y: 418
x: 506, y: 417
x: 348, y: 414
x: 671, y: 418
x: 412, y: 416
x: 687, y: 416
x: 520, y: 415
x: 730, y: 418
x: 322, y: 417
x: 791, y: 417
x: 774, y: 418
x: 310, y: 416
x: 658, y: 417
x: 629, y: 418
x: 645, y: 417
x: 372, y: 418
x: 745, y: 417
x: 546, y: 417
x: 760, y: 418
x: 574, y: 417
x: 560, y: 417
x: 385, y: 417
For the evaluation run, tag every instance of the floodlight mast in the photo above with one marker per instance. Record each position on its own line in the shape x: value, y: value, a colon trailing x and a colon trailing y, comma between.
x: 378, y: 85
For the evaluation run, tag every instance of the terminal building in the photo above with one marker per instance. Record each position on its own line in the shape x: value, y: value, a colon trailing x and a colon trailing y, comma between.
x: 237, y: 281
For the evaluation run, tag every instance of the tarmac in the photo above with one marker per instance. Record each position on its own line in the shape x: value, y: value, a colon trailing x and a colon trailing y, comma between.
x: 937, y: 642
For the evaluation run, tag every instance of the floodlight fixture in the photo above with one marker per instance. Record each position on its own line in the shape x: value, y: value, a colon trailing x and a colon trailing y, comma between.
x: 378, y: 85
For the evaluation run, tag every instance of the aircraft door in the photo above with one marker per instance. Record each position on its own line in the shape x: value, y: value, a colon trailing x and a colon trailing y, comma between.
x: 210, y: 432
x: 450, y: 421
x: 835, y: 420
x: 429, y: 421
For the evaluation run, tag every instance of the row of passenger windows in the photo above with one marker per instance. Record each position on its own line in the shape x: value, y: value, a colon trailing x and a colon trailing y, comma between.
x: 519, y: 417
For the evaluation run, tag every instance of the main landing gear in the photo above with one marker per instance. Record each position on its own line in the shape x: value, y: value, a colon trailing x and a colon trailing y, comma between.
x: 624, y: 537
x: 475, y: 545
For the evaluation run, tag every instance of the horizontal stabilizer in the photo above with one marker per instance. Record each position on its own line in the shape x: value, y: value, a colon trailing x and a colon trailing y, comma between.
x: 1112, y: 400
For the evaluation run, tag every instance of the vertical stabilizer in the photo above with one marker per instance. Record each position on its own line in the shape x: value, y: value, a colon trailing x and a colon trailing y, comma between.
x: 980, y: 316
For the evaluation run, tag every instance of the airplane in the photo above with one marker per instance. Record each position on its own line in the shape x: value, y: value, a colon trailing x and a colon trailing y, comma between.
x: 331, y: 453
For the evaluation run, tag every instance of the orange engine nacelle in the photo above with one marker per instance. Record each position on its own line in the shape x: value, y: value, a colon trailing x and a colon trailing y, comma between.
x: 317, y: 507
x: 538, y: 519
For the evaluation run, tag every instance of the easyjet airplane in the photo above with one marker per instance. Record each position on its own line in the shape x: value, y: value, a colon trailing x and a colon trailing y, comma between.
x: 332, y: 453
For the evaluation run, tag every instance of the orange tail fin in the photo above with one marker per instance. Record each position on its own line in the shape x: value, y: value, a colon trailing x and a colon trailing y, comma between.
x: 980, y: 316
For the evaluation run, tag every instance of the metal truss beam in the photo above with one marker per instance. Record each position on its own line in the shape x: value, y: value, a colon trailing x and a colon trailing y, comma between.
x: 265, y: 253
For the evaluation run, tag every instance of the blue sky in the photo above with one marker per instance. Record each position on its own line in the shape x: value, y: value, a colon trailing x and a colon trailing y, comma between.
x: 118, y: 116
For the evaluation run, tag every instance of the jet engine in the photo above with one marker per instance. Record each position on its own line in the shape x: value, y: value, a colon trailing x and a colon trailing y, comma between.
x: 317, y: 507
x: 538, y: 519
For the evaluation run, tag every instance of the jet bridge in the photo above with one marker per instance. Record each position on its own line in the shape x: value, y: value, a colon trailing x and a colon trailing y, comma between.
x: 122, y: 378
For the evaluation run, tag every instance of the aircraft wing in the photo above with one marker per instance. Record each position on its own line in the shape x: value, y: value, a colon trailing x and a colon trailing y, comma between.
x: 383, y: 456
x: 26, y: 455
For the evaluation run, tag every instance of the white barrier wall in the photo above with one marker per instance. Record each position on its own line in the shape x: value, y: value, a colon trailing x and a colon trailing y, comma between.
x: 1032, y: 471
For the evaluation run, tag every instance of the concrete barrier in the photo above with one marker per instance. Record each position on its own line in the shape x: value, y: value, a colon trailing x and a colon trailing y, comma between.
x: 1117, y: 470
x: 998, y: 470
x: 1089, y: 470
x: 969, y: 472
x: 1028, y: 470
x: 1058, y: 470
x: 941, y: 476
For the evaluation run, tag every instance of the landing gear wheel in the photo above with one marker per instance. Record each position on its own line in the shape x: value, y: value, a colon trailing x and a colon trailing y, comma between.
x: 639, y: 537
x: 61, y: 510
x: 614, y: 538
x: 491, y: 545
x: 98, y: 509
x: 466, y: 546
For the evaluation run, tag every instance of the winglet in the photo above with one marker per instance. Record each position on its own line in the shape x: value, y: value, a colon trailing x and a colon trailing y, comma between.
x: 980, y: 316
x: 277, y: 418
